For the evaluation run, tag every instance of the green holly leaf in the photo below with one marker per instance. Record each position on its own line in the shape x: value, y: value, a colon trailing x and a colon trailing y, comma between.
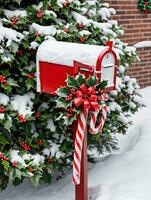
x: 5, y: 164
x: 72, y: 82
x: 70, y: 120
x: 63, y: 92
x: 12, y: 82
x: 3, y: 139
x: 18, y: 173
x: 102, y: 85
x: 62, y: 103
x: 81, y: 79
x: 29, y: 83
x: 35, y: 180
x: 8, y: 124
x: 92, y: 81
x: 5, y: 73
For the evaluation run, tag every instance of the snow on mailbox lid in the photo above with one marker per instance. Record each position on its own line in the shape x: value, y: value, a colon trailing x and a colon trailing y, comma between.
x: 56, y: 59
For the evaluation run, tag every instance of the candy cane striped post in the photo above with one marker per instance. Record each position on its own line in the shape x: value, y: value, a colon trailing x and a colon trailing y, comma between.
x: 94, y: 130
x: 78, y: 146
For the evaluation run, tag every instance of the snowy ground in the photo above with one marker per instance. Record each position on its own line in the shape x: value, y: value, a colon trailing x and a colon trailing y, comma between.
x: 122, y: 176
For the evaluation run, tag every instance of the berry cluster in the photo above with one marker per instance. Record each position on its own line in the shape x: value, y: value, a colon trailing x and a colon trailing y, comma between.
x: 82, y: 39
x: 40, y: 142
x: 30, y: 76
x: 70, y: 111
x: 22, y: 119
x: 2, y: 157
x: 15, y: 164
x: 40, y: 13
x: 2, y: 109
x: 30, y: 169
x: 3, y: 80
x: 24, y: 146
x: 14, y: 20
x: 80, y: 26
x: 20, y: 52
x: 66, y: 4
x: 37, y: 114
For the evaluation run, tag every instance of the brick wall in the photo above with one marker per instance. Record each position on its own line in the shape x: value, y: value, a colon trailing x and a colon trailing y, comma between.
x: 137, y: 27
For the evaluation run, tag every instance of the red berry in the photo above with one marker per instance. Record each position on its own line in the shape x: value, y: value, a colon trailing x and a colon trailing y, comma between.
x: 14, y: 164
x: 37, y: 114
x: 80, y: 25
x: 66, y: 30
x: 82, y: 39
x: 30, y: 169
x: 68, y: 98
x: 40, y: 142
x: 68, y: 115
x: 1, y: 156
x: 72, y: 90
x: 30, y: 76
x: 40, y: 13
x: 22, y: 119
x: 5, y: 158
x: 3, y: 79
x: 2, y: 110
x: 14, y: 20
x: 37, y: 34
x: 66, y: 4
x: 50, y: 160
x: 20, y: 52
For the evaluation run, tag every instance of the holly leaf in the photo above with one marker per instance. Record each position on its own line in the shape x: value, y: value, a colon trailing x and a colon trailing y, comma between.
x: 72, y: 82
x: 8, y: 124
x: 102, y: 85
x: 81, y: 79
x: 5, y: 164
x: 5, y: 73
x: 18, y: 173
x: 29, y: 84
x: 12, y: 82
x: 62, y: 103
x: 63, y: 92
x: 3, y: 140
x: 35, y: 180
x: 70, y: 120
x: 92, y: 81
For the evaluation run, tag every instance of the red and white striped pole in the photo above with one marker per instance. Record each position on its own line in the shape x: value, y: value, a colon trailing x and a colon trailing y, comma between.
x: 80, y: 172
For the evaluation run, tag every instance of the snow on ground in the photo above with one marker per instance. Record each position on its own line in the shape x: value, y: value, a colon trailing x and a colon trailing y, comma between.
x: 125, y: 175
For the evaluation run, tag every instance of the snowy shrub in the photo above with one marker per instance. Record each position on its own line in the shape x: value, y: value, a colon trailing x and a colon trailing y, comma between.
x: 34, y: 142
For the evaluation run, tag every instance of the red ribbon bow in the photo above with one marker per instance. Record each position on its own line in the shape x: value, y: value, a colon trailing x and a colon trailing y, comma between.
x: 86, y: 97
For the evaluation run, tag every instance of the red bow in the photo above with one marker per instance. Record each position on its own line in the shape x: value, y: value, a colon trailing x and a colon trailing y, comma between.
x: 87, y: 98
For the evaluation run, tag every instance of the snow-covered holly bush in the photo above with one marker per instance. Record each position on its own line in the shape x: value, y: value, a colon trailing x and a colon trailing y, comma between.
x: 34, y: 143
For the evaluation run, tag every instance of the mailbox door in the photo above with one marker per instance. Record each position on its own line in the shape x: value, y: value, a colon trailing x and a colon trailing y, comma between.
x: 106, y: 68
x: 53, y: 76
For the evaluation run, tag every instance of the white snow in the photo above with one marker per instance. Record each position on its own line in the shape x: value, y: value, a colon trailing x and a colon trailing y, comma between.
x: 23, y: 104
x: 15, y: 13
x: 10, y: 35
x: 44, y: 30
x: 65, y: 52
x: 50, y: 125
x: 2, y: 116
x: 125, y: 175
x: 143, y: 44
x: 4, y: 99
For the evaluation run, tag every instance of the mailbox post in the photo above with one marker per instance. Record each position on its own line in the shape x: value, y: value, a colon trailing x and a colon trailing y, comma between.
x: 56, y: 60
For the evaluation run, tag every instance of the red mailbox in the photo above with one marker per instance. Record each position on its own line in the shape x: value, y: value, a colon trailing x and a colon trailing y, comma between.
x: 56, y: 59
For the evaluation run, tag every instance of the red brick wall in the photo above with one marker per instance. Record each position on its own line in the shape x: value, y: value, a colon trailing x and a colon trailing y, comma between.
x: 137, y: 27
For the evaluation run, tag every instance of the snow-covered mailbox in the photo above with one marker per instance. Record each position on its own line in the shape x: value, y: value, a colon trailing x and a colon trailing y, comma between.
x: 56, y: 59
